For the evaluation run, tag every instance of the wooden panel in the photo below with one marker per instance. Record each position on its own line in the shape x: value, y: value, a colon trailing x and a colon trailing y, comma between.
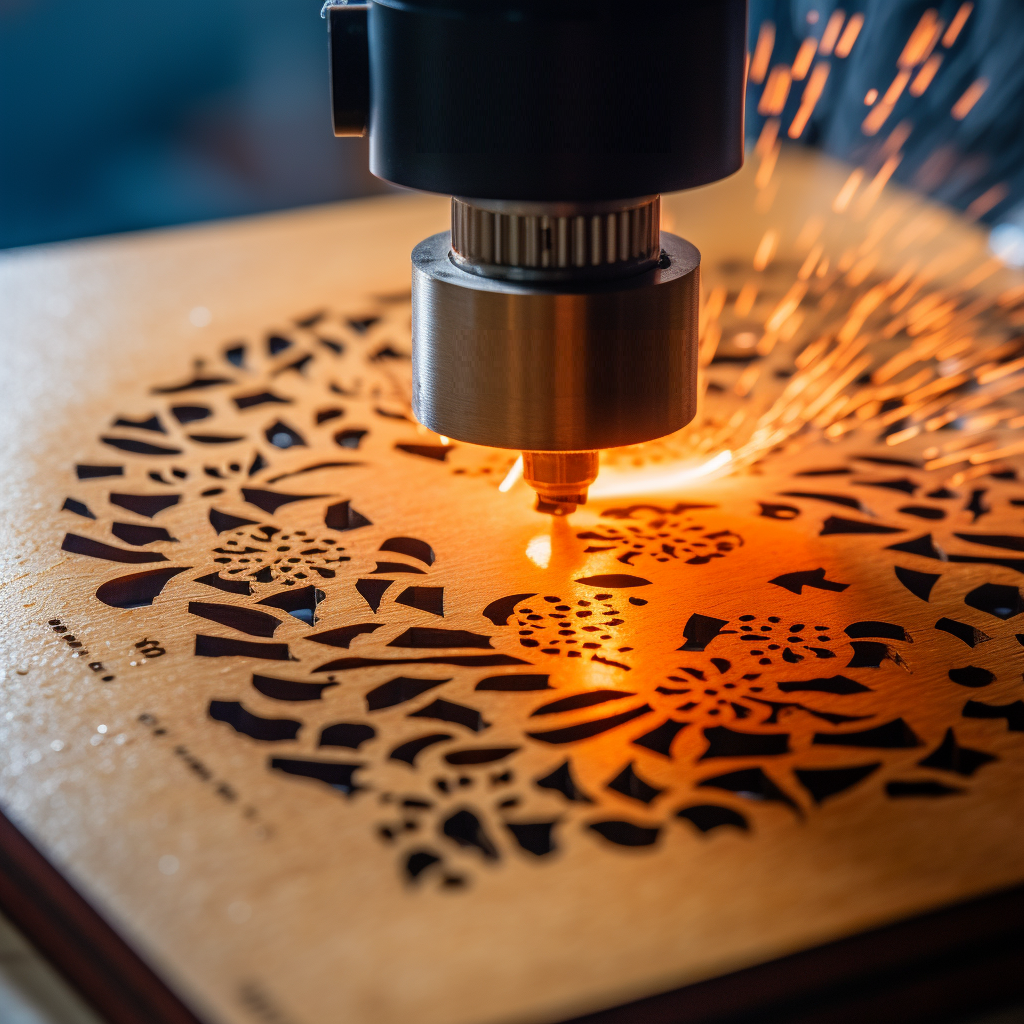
x: 330, y: 724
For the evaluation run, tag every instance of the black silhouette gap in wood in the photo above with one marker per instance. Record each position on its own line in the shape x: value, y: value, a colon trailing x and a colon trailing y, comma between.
x: 342, y: 636
x: 586, y: 699
x: 346, y: 734
x: 335, y: 774
x: 448, y: 711
x: 246, y: 620
x: 371, y: 591
x: 585, y: 730
x: 95, y: 549
x: 515, y: 683
x: 148, y: 505
x: 561, y: 780
x: 138, y: 590
x: 222, y: 647
x: 270, y: 730
x: 288, y: 689
x: 708, y: 817
x: 410, y: 750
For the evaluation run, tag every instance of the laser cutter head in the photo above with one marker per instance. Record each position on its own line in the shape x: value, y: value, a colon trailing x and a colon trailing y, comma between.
x: 556, y: 316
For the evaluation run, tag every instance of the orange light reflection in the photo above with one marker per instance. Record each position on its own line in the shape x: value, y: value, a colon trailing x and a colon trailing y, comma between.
x: 619, y: 483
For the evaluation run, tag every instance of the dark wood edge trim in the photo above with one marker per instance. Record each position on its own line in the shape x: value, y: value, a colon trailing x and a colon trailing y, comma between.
x: 922, y: 969
x: 963, y: 957
x: 77, y: 941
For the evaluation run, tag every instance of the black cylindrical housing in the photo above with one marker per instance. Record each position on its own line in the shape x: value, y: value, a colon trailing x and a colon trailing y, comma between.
x: 350, y: 68
x: 548, y: 100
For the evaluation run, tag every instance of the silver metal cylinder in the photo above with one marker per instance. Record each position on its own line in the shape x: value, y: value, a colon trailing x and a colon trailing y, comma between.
x: 562, y: 366
x: 556, y: 241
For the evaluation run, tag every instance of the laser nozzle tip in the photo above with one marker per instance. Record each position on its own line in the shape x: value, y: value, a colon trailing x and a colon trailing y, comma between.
x: 557, y: 508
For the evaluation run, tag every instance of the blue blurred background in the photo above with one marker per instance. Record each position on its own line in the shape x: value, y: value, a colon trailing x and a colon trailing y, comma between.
x: 117, y: 116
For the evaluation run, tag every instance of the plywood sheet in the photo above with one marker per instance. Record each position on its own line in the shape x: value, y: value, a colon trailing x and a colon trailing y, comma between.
x: 325, y: 718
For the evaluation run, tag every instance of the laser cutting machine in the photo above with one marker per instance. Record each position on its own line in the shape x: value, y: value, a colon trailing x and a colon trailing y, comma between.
x: 555, y: 317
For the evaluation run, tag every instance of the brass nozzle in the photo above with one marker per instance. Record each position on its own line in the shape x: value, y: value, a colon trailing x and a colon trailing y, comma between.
x: 560, y: 479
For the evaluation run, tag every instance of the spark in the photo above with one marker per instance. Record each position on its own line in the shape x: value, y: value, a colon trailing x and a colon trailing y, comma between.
x: 903, y: 435
x: 788, y: 305
x: 715, y: 303
x: 849, y: 36
x: 998, y: 372
x: 1000, y: 453
x: 762, y: 52
x: 925, y: 75
x: 860, y: 270
x: 766, y: 249
x: 776, y: 90
x: 972, y: 94
x: 846, y: 193
x: 954, y: 459
x: 512, y: 476
x: 894, y: 142
x: 874, y: 189
x: 1012, y: 296
x: 982, y: 272
x: 968, y: 474
x: 810, y: 232
x: 831, y: 33
x: 766, y: 140
x: 746, y: 299
x: 803, y: 58
x: 809, y: 99
x: 747, y: 380
x: 807, y: 267
x: 854, y: 345
x: 880, y: 113
x: 988, y: 199
x: 764, y: 172
x: 922, y: 40
x: 957, y: 24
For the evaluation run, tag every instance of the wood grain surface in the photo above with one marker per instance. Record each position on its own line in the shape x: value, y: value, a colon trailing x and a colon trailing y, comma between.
x: 547, y: 769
